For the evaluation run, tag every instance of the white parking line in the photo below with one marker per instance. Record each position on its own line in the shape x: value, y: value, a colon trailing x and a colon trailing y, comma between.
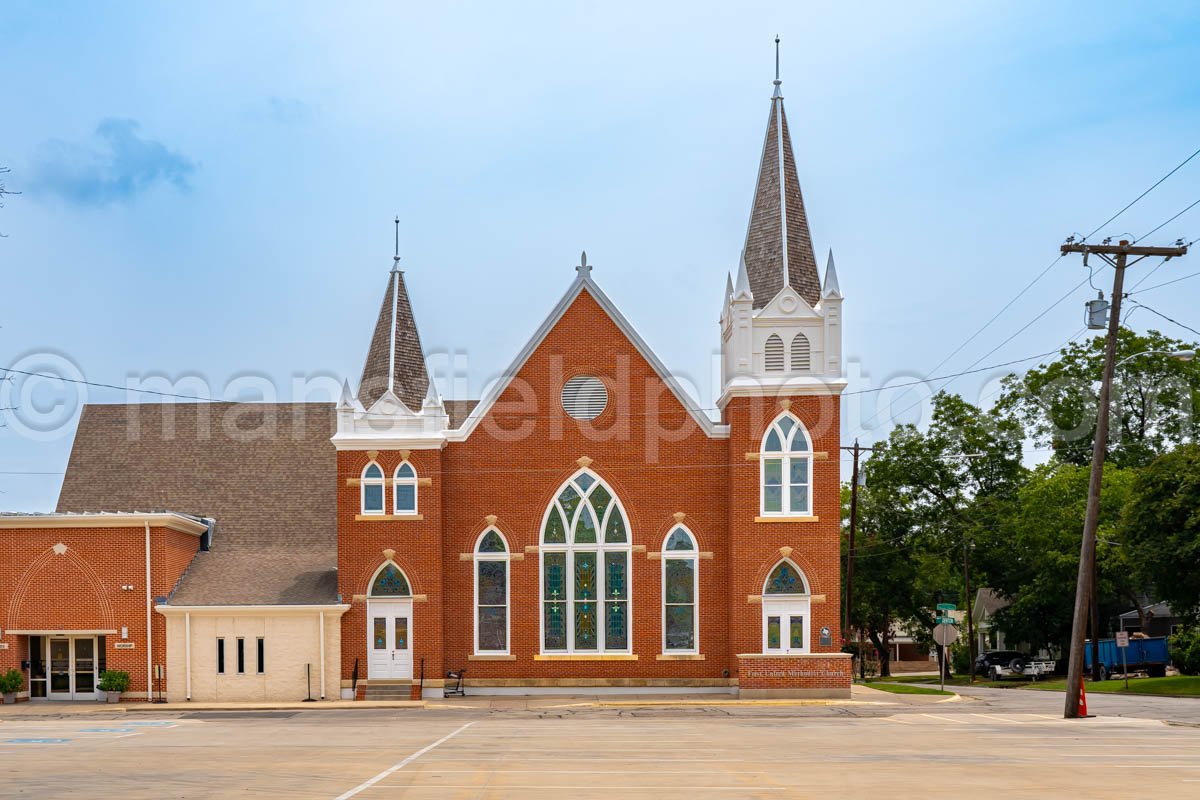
x: 947, y: 719
x: 396, y: 767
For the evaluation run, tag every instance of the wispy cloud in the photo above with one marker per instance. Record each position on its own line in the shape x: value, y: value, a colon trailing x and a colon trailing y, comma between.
x: 289, y: 111
x: 115, y: 165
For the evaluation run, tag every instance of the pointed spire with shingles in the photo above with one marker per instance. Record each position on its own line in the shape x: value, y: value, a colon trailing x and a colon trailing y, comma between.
x: 395, y: 360
x: 778, y: 241
x: 829, y: 287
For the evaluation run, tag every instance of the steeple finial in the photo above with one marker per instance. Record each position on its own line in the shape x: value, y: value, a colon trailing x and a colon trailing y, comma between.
x: 396, y: 255
x: 584, y: 268
x: 778, y: 82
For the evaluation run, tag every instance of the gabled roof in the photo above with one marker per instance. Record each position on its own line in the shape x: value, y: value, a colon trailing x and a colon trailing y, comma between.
x: 395, y: 360
x: 583, y: 282
x: 265, y: 472
x: 778, y: 241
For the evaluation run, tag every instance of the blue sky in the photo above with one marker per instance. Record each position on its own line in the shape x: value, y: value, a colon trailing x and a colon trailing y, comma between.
x: 207, y: 189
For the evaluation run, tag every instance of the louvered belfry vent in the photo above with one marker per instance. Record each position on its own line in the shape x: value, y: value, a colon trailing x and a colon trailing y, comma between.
x: 801, y: 353
x: 773, y: 353
x: 584, y: 397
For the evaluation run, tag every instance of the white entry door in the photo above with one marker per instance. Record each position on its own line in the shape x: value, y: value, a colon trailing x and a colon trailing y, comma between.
x: 786, y: 626
x: 389, y: 638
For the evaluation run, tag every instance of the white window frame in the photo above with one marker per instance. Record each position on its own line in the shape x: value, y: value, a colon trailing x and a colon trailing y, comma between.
x: 506, y: 558
x: 398, y: 481
x: 364, y: 482
x: 785, y: 606
x: 375, y: 577
x: 785, y: 457
x: 692, y: 555
x: 600, y: 548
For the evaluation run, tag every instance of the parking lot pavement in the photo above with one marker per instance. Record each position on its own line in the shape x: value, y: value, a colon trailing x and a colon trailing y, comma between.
x: 580, y: 752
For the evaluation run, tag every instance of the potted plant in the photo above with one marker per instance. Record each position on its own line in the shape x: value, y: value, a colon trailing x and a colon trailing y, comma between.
x: 11, y: 683
x: 112, y: 683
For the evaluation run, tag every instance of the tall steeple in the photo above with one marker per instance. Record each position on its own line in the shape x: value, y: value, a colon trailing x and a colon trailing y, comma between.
x: 395, y: 362
x: 779, y: 248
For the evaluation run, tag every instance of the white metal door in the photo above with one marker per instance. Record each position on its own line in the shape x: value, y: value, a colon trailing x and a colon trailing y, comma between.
x: 389, y: 640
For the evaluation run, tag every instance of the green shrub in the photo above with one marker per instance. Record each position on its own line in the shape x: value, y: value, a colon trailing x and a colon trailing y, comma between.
x: 960, y: 658
x: 11, y: 682
x: 1185, y: 650
x: 113, y: 680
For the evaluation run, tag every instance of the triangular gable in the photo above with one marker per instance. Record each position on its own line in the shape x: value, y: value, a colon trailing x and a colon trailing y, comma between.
x: 582, y: 282
x: 788, y: 304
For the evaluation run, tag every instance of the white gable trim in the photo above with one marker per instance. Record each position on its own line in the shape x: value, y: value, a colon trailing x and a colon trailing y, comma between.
x: 584, y: 281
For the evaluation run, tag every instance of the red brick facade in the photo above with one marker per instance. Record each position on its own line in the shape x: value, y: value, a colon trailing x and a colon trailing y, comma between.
x: 659, y: 462
x: 78, y: 578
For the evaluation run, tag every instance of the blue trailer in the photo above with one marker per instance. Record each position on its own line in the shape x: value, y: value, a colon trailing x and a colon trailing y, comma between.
x: 1143, y: 655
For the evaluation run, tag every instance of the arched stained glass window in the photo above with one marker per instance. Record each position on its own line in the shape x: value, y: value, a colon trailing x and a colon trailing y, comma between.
x: 372, y: 489
x: 785, y: 579
x: 585, y: 569
x: 404, y: 487
x: 786, y: 468
x: 491, y: 593
x: 390, y: 581
x: 681, y: 584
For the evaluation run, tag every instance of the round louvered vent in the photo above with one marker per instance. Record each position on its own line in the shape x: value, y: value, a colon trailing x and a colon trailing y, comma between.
x: 584, y: 397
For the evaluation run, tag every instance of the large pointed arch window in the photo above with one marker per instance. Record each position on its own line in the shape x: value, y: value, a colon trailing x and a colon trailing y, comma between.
x: 585, y: 547
x: 491, y: 594
x: 786, y: 605
x: 681, y: 587
x: 372, y: 489
x: 786, y: 469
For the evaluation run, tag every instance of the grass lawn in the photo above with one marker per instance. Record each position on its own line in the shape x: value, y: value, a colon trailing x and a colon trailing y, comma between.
x: 903, y: 688
x: 1174, y: 686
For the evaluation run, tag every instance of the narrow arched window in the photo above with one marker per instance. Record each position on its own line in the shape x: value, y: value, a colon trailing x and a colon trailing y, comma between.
x: 786, y: 468
x: 773, y: 353
x: 372, y: 489
x: 681, y: 589
x: 491, y: 594
x: 801, y: 353
x: 404, y: 487
x: 585, y: 569
x: 786, y: 605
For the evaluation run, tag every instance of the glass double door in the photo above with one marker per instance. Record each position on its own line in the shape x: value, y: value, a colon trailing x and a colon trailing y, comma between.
x: 71, y: 667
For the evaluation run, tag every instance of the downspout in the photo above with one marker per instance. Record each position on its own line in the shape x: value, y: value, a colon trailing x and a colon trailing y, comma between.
x: 321, y: 616
x: 187, y: 653
x: 149, y: 623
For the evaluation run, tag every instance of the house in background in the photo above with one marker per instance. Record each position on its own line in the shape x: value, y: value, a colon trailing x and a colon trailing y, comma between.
x: 987, y: 603
x: 1160, y: 620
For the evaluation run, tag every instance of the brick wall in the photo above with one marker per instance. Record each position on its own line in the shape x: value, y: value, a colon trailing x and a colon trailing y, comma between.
x: 81, y: 588
x: 795, y: 676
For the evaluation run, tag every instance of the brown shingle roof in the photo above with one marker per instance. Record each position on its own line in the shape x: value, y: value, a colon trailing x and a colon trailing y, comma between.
x: 265, y: 471
x: 410, y: 380
x: 764, y: 236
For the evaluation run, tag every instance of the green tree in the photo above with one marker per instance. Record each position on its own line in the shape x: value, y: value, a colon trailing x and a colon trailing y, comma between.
x: 1162, y: 526
x: 1153, y: 400
x: 928, y: 496
x: 1042, y: 554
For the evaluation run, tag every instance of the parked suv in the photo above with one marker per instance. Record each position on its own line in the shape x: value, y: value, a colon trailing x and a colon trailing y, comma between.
x: 992, y: 662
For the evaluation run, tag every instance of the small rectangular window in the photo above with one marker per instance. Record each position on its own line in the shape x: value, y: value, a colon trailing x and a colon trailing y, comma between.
x: 241, y: 656
x: 220, y: 656
x: 262, y: 655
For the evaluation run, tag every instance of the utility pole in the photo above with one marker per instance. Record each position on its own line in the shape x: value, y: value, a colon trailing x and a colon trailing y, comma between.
x: 851, y: 551
x: 967, y: 591
x: 1085, y: 586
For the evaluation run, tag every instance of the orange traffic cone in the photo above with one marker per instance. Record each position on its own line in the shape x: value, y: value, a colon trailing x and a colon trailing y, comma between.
x: 1083, y: 697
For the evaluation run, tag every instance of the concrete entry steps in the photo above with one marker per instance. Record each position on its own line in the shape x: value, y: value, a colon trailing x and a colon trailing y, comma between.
x: 387, y: 690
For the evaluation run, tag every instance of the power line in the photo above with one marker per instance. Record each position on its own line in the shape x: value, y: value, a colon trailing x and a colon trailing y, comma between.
x: 1143, y: 194
x: 1164, y: 316
x: 1172, y: 219
x: 1168, y: 283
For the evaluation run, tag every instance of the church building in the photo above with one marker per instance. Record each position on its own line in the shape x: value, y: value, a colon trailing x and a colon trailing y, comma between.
x: 583, y: 527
